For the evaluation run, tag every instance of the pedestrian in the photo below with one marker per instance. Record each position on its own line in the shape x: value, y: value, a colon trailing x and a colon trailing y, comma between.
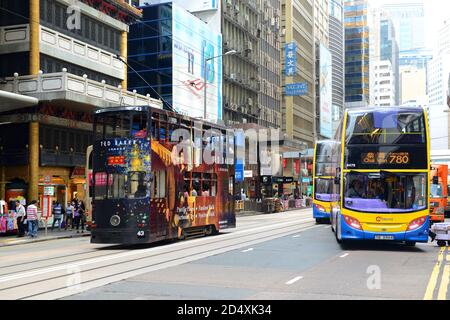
x: 79, y: 217
x: 57, y: 215
x: 20, y: 216
x: 70, y: 209
x: 32, y: 219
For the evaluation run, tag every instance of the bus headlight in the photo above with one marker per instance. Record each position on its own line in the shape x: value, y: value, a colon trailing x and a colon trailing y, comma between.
x: 417, y: 223
x: 115, y: 220
x: 354, y: 223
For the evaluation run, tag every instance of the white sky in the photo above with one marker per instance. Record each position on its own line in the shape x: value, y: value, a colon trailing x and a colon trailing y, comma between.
x: 436, y: 12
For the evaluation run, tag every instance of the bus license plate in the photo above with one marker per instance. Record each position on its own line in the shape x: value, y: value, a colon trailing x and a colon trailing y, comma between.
x: 380, y: 237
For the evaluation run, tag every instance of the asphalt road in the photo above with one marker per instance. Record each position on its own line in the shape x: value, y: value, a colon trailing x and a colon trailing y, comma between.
x: 278, y: 256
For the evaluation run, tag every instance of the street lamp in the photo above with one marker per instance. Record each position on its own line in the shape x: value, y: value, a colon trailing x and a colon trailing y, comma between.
x: 228, y: 53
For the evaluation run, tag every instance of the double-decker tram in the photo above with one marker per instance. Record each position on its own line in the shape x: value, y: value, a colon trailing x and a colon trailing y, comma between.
x: 158, y: 175
x: 325, y: 190
x: 384, y: 176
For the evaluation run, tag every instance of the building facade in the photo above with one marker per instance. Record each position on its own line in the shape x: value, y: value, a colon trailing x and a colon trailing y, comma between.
x: 59, y: 63
x: 299, y: 110
x: 384, y: 65
x: 357, y: 53
x: 336, y: 44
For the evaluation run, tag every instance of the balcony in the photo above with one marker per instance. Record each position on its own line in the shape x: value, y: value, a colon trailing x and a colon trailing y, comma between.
x: 66, y: 86
x: 62, y: 159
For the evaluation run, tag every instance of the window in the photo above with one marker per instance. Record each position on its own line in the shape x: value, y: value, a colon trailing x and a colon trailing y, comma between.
x: 116, y: 186
x: 137, y: 186
x: 158, y: 189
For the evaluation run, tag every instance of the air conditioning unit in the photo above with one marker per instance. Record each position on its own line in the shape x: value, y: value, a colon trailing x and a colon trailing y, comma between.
x: 272, y: 22
x: 250, y: 102
x: 236, y: 9
x: 249, y: 46
x: 233, y: 76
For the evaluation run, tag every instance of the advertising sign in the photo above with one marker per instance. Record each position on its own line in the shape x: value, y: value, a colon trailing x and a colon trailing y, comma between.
x: 196, y: 53
x: 291, y: 59
x: 296, y: 89
x: 240, y: 155
x: 326, y: 122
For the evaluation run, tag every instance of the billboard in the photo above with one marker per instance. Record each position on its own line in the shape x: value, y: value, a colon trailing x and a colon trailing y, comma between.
x: 196, y: 51
x: 290, y: 59
x: 326, y: 122
x: 296, y: 89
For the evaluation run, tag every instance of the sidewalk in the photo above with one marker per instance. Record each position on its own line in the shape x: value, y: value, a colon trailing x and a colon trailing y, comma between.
x: 255, y: 213
x: 13, y: 240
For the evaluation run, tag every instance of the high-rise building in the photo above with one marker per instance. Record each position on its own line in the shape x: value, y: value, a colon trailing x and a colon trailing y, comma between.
x: 323, y: 104
x: 438, y: 77
x: 336, y: 44
x: 384, y: 67
x: 58, y: 63
x: 409, y: 23
x: 298, y: 110
x: 357, y: 53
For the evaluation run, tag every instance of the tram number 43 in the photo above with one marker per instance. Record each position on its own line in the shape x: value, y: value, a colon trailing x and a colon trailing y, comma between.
x: 141, y: 234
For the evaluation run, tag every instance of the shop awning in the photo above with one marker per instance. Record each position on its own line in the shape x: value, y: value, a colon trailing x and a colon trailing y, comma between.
x: 12, y: 101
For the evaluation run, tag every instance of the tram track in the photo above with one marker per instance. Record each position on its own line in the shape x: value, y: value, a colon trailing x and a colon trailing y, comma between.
x: 118, y: 250
x: 103, y: 272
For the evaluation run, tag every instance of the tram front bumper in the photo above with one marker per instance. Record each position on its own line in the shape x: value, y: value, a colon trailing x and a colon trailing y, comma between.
x: 118, y: 236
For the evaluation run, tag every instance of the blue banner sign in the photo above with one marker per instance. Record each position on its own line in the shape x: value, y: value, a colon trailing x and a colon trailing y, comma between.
x: 296, y: 89
x: 239, y: 171
x: 291, y: 59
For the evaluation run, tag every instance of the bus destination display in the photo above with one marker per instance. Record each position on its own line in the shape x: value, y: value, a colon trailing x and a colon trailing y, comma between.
x: 381, y: 158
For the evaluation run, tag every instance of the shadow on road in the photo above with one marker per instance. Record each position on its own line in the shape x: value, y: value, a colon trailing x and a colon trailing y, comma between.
x: 382, y: 246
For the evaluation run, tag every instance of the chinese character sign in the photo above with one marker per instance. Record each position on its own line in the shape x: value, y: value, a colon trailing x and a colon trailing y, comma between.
x: 291, y: 59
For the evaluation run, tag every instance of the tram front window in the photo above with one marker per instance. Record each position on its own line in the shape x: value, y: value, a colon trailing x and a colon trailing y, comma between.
x: 385, y: 192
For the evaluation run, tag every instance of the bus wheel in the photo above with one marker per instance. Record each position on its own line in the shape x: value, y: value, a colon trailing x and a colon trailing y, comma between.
x: 410, y: 243
x: 441, y: 243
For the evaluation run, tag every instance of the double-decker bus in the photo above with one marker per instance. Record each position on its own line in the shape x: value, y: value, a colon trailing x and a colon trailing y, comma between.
x: 325, y: 190
x: 144, y: 190
x: 384, y: 176
x: 438, y: 192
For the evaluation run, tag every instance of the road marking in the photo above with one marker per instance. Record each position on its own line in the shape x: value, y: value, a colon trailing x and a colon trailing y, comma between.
x: 344, y: 255
x: 248, y: 250
x: 294, y: 280
x: 327, y: 227
x: 296, y: 236
x: 442, y: 295
x: 28, y: 274
x: 434, y: 276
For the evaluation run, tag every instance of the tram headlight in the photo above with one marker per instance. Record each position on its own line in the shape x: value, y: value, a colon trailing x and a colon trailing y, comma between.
x: 115, y: 220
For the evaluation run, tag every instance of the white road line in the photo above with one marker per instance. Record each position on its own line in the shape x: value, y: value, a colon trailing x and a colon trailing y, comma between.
x: 327, y: 227
x: 296, y: 236
x: 247, y: 250
x: 294, y: 280
x: 344, y: 255
x: 28, y: 274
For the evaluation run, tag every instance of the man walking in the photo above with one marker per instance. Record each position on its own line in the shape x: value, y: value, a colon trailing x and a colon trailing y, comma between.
x: 20, y: 216
x: 33, y: 219
x: 57, y: 215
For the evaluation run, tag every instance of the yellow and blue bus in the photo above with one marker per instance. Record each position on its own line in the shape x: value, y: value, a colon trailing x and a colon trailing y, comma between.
x: 384, y: 176
x: 325, y: 190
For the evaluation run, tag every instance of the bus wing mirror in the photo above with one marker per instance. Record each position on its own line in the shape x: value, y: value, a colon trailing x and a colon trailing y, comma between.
x: 435, y: 180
